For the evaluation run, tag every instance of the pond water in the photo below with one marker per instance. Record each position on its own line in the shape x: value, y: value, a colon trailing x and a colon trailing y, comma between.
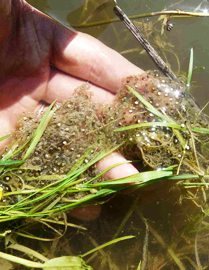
x: 187, y: 32
x: 157, y: 207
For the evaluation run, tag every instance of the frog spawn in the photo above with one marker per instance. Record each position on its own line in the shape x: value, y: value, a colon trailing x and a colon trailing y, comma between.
x: 74, y: 128
x: 80, y: 124
x: 160, y: 146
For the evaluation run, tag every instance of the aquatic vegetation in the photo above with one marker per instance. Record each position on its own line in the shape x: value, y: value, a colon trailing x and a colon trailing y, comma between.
x: 151, y: 121
x: 49, y: 166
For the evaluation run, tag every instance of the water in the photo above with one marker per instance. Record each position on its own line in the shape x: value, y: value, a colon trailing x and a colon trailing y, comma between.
x: 160, y: 204
x: 187, y: 32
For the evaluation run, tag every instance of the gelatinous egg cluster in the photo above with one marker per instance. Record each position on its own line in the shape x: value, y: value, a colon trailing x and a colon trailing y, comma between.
x: 80, y: 128
x: 163, y: 146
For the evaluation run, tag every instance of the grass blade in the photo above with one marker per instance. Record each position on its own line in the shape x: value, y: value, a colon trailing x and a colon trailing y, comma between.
x: 33, y: 237
x: 108, y: 244
x: 40, y: 130
x: 21, y: 261
x: 10, y: 162
x: 28, y: 251
x: 139, y: 266
x: 151, y: 124
x: 149, y: 107
x: 136, y: 178
x: 200, y: 130
x: 189, y: 77
x: 159, y: 114
x: 66, y: 262
x: 62, y: 223
x: 5, y: 137
x: 106, y: 170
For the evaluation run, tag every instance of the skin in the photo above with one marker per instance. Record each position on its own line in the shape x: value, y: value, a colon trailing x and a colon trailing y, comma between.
x: 30, y: 44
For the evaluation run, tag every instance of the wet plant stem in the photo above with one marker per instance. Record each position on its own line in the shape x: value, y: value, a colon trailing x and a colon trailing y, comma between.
x: 145, y: 44
x: 126, y: 218
x: 170, y: 251
x: 145, y: 244
x: 196, y: 249
x: 173, y: 13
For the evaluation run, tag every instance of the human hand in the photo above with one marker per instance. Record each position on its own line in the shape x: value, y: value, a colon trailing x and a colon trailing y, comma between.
x: 40, y: 60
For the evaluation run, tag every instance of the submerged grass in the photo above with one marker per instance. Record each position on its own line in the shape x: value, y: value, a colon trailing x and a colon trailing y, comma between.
x: 47, y: 200
x: 71, y: 262
x: 173, y: 13
x: 189, y: 77
x: 46, y: 203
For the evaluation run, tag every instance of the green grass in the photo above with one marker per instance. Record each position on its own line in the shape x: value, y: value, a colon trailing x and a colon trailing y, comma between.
x: 189, y: 76
x: 44, y: 204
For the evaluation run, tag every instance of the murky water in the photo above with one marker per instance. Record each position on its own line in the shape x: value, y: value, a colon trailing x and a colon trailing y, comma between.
x: 159, y: 206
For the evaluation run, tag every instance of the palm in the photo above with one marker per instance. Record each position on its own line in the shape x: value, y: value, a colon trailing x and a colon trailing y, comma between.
x: 25, y: 66
x: 30, y: 45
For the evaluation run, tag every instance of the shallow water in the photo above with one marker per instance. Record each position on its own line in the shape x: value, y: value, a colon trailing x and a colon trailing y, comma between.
x: 187, y: 32
x: 160, y: 204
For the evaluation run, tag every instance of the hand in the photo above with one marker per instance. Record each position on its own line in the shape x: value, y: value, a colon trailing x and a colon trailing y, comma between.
x: 41, y: 60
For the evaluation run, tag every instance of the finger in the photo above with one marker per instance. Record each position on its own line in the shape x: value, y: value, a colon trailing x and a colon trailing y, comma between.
x: 119, y: 171
x: 61, y: 86
x: 87, y: 58
x: 87, y: 213
x: 90, y: 213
